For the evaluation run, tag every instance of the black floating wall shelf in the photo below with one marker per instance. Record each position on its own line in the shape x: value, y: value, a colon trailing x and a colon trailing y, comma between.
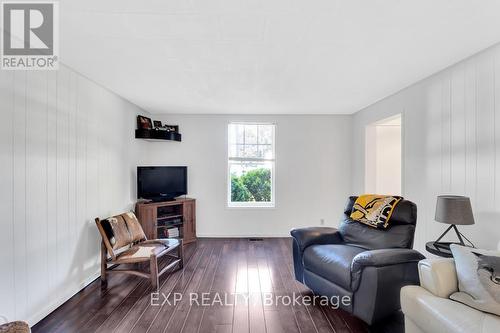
x: 157, y: 135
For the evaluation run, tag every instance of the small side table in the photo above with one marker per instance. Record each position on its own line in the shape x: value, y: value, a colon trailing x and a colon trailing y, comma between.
x: 443, y: 250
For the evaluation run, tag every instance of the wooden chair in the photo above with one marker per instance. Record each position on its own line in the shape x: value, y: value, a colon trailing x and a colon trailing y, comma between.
x: 15, y: 327
x: 125, y: 242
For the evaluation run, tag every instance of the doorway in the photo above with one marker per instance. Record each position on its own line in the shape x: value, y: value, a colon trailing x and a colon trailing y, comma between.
x: 383, y: 155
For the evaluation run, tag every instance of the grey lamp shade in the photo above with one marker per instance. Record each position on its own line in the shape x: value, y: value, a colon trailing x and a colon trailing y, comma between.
x: 454, y: 209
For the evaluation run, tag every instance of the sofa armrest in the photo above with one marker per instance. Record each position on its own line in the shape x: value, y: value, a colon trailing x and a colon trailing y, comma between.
x: 438, y: 276
x: 305, y: 237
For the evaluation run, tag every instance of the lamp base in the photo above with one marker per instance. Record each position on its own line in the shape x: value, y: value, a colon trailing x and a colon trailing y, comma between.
x: 446, y: 245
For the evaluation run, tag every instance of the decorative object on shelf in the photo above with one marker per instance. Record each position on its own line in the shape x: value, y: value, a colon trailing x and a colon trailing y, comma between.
x: 454, y: 210
x: 171, y: 128
x: 144, y: 122
x: 157, y: 124
x: 173, y: 233
x: 146, y: 131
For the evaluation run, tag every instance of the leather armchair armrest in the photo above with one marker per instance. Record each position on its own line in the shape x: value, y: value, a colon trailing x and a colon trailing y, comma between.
x: 384, y: 257
x: 381, y: 258
x: 305, y: 237
x: 438, y: 276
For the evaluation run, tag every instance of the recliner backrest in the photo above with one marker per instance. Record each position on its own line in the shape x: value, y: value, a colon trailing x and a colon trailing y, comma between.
x: 399, y: 234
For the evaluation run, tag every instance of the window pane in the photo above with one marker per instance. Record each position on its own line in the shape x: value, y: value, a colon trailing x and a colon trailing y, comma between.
x: 266, y: 151
x: 233, y: 151
x: 265, y: 134
x: 241, y: 151
x: 251, y: 182
x: 236, y: 133
x: 240, y: 133
x: 251, y: 151
x: 250, y: 134
x: 232, y: 134
x: 237, y: 151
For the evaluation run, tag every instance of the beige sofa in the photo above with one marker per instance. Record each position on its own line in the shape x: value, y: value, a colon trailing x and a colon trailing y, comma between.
x: 428, y: 308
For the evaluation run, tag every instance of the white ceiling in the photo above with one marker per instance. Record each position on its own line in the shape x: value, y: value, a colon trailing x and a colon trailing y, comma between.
x: 269, y: 56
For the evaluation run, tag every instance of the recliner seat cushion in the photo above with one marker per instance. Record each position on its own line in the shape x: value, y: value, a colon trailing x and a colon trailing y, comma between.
x: 332, y: 262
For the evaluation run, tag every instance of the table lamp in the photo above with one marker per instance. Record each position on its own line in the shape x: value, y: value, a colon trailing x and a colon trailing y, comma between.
x: 454, y: 210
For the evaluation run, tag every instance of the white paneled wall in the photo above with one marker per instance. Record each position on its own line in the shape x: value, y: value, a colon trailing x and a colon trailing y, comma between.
x: 67, y: 155
x: 451, y: 144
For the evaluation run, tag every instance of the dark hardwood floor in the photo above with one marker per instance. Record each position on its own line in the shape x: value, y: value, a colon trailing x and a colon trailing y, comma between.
x: 227, y: 268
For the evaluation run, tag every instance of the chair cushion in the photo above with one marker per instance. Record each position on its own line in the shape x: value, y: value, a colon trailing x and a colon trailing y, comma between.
x: 167, y: 242
x: 144, y: 250
x: 117, y: 232
x: 134, y: 227
x: 332, y: 262
x: 122, y: 230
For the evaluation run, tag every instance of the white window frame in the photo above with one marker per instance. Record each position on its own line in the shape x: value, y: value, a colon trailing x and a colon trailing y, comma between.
x: 251, y: 204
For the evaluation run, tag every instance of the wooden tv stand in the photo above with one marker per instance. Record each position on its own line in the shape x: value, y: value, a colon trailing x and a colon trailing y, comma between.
x: 159, y: 218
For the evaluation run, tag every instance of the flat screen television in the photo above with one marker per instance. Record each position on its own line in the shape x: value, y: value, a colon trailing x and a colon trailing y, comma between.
x: 161, y: 183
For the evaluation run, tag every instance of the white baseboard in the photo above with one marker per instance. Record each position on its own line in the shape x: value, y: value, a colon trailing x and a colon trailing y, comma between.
x: 243, y: 236
x: 35, y: 318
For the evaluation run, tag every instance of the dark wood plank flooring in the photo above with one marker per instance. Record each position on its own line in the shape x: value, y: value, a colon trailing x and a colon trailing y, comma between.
x: 224, y: 267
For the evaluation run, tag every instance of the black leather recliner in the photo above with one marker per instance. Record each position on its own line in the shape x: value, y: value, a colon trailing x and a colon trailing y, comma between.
x: 367, y: 264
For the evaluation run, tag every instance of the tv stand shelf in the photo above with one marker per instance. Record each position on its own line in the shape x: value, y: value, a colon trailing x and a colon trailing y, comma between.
x: 156, y: 218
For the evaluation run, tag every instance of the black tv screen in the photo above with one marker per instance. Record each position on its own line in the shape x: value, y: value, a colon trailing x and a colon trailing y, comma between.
x: 160, y: 183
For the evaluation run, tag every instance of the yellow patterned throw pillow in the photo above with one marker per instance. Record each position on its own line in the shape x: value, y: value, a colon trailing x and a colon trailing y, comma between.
x: 374, y: 210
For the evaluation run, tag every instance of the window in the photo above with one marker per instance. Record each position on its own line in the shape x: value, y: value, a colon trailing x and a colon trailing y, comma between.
x: 250, y: 165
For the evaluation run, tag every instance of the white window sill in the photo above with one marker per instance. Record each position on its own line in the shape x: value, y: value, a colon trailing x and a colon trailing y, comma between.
x: 246, y: 205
